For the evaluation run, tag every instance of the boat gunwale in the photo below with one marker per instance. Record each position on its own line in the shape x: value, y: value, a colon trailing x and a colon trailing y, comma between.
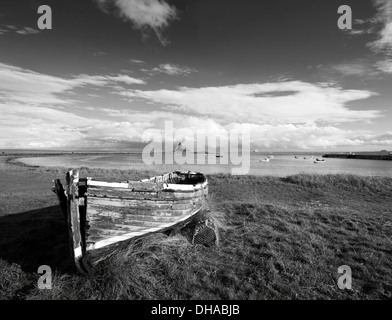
x: 162, y: 185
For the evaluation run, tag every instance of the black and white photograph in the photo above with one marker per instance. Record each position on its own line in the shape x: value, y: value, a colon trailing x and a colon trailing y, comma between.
x: 199, y: 151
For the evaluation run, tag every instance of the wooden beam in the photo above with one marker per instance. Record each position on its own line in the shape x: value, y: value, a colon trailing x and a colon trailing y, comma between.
x: 73, y: 218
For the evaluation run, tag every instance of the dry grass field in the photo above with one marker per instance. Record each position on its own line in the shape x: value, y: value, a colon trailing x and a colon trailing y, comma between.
x: 280, y: 238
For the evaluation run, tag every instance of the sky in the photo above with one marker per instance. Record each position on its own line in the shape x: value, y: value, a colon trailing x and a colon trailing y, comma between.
x: 108, y: 71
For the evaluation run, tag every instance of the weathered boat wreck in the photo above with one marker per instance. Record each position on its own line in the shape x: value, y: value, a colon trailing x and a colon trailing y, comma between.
x: 101, y: 215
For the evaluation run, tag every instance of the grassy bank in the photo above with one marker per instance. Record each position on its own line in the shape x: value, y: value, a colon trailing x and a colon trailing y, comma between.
x: 281, y: 238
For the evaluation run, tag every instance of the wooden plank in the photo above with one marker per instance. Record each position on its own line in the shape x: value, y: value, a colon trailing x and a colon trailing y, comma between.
x: 128, y: 194
x: 135, y: 185
x: 82, y: 187
x: 118, y: 212
x: 103, y: 228
x: 153, y: 203
x: 143, y: 204
x: 114, y: 218
x: 182, y: 187
x: 183, y: 194
x: 133, y: 235
x: 149, y: 185
x: 101, y: 249
x: 73, y: 214
x: 131, y: 220
x: 192, y: 178
x: 102, y: 224
x: 129, y: 212
x: 121, y: 193
x: 105, y: 234
x: 108, y: 233
x: 107, y: 184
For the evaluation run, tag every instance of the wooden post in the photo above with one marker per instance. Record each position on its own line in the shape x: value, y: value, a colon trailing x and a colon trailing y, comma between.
x: 83, y: 213
x: 73, y: 217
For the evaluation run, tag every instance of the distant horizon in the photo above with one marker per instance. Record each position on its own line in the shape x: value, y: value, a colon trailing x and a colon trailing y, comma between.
x: 137, y: 150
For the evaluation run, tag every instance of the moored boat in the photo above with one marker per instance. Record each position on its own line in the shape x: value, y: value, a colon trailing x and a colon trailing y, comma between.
x: 101, y: 215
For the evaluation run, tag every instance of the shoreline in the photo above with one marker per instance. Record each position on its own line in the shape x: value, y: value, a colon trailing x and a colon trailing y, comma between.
x: 281, y: 167
x: 387, y: 157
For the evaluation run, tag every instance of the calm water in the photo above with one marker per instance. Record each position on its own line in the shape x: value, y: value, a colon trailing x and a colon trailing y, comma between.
x: 279, y: 165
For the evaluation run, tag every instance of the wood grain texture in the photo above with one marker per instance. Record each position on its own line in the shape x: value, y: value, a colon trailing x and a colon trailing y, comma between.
x: 73, y: 219
x: 103, y: 214
x: 102, y: 240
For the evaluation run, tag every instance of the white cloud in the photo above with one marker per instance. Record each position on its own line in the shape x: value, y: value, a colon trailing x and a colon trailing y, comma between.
x: 99, y: 53
x: 379, y: 25
x: 384, y: 42
x: 384, y: 16
x: 27, y: 30
x: 33, y: 88
x: 385, y: 65
x: 32, y: 113
x: 289, y: 136
x: 173, y: 70
x: 358, y: 69
x: 11, y: 27
x: 38, y: 127
x: 22, y: 127
x: 100, y: 80
x: 20, y: 30
x: 44, y: 127
x: 281, y: 114
x: 136, y: 61
x: 17, y: 84
x: 155, y: 14
x: 272, y: 136
x: 272, y: 103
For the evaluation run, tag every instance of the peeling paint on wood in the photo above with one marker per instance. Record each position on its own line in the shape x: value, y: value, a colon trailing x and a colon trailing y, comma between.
x: 102, y: 214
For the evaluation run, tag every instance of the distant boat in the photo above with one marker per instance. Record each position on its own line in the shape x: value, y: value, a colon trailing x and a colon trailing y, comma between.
x: 265, y: 160
x: 219, y: 156
x: 319, y: 160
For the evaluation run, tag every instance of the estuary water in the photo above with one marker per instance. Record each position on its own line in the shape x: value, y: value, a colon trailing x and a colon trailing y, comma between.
x: 279, y: 164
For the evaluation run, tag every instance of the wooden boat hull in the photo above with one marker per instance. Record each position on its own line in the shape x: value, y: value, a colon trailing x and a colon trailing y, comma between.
x: 103, y: 214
